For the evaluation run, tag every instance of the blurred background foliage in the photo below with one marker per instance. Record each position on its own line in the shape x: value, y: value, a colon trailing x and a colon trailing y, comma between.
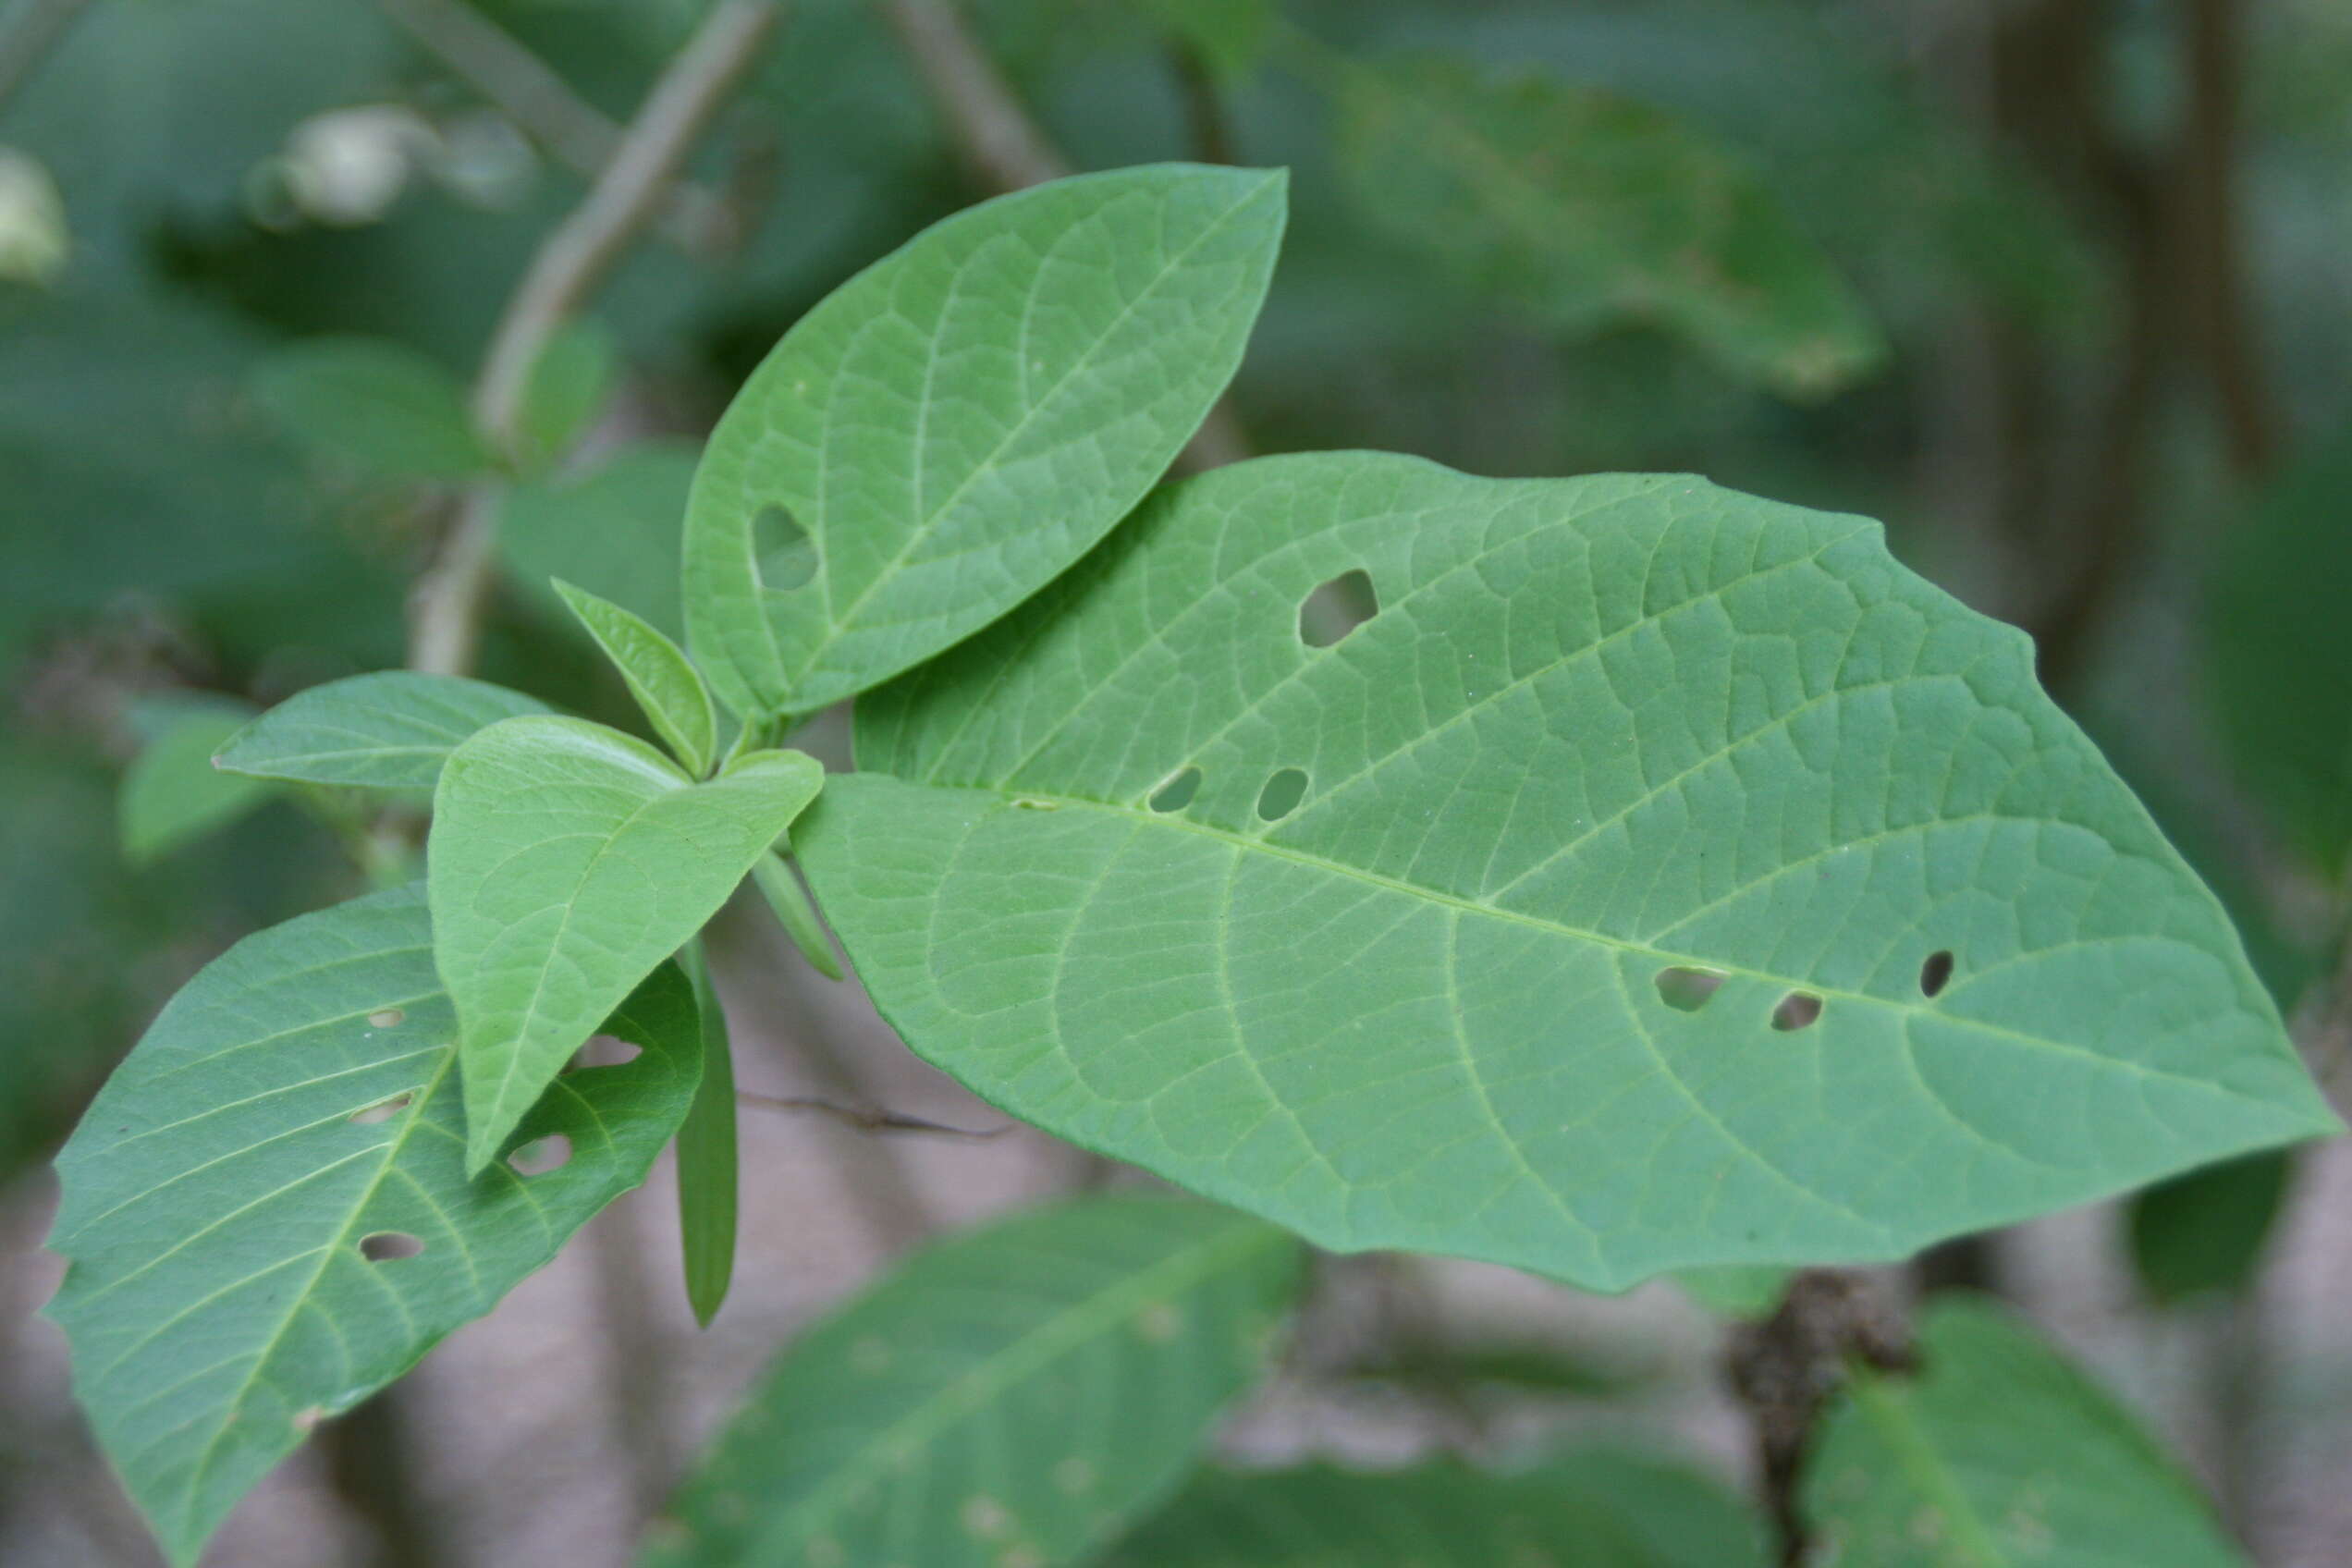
x: 2054, y: 287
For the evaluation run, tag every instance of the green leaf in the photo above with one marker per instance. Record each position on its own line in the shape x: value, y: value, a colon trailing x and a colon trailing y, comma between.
x: 2205, y: 1231
x: 708, y: 1181
x: 1230, y: 36
x: 568, y: 385
x: 1597, y: 1509
x: 566, y: 860
x: 287, y: 1120
x: 1591, y: 209
x: 613, y: 531
x: 960, y: 422
x: 2281, y: 651
x: 796, y: 915
x: 1610, y: 932
x: 389, y: 730
x: 1017, y: 1394
x: 172, y: 793
x: 660, y: 676
x: 1998, y: 1453
x: 376, y: 403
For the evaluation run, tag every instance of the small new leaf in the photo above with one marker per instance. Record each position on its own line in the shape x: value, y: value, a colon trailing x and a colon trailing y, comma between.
x: 566, y: 860
x: 659, y: 674
x: 708, y: 1180
x: 1014, y: 1395
x: 266, y: 1210
x: 389, y: 730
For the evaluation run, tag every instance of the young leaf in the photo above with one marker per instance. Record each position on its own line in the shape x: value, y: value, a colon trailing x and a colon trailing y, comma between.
x: 1660, y: 878
x: 376, y: 403
x: 1013, y: 1395
x: 389, y: 730
x: 796, y: 915
x: 172, y: 793
x: 566, y: 860
x: 1596, y: 1508
x: 962, y: 421
x: 240, y: 1199
x: 568, y: 384
x: 1997, y: 1451
x: 659, y: 674
x: 708, y: 1181
x: 1591, y: 209
x: 613, y: 531
x: 2205, y: 1231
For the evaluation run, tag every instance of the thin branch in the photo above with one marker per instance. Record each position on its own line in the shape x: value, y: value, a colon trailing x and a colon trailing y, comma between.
x: 527, y: 90
x: 1210, y: 127
x: 30, y: 30
x: 993, y: 131
x: 571, y: 265
x: 1006, y: 150
x: 869, y: 1119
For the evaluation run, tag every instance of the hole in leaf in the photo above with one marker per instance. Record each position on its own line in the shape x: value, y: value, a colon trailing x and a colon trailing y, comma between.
x: 388, y: 1247
x: 1687, y: 990
x: 1936, y: 974
x: 787, y: 554
x: 540, y: 1156
x: 389, y: 1018
x: 385, y: 1111
x: 1031, y: 803
x: 605, y: 1051
x: 1337, y: 608
x: 1282, y: 795
x: 1178, y: 792
x: 1796, y: 1011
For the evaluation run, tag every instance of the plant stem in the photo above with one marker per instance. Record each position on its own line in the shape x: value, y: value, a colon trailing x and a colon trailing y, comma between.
x: 30, y: 31
x: 571, y: 265
x: 528, y: 91
x: 1007, y: 150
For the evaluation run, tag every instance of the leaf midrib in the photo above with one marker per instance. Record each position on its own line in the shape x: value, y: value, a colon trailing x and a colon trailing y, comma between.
x: 990, y: 1377
x: 1665, y: 956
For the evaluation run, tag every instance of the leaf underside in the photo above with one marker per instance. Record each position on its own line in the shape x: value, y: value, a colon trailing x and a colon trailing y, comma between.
x: 1594, y: 1510
x: 1999, y: 1453
x: 1013, y: 1395
x: 389, y: 730
x: 566, y: 860
x: 955, y: 425
x: 1602, y: 736
x: 293, y: 1106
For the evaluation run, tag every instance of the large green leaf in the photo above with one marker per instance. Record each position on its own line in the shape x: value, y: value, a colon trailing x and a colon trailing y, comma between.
x: 1998, y: 1453
x: 235, y: 1198
x: 389, y: 730
x: 1592, y: 208
x: 960, y: 422
x: 566, y: 860
x: 1672, y: 879
x: 1594, y: 1510
x: 1014, y: 1395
